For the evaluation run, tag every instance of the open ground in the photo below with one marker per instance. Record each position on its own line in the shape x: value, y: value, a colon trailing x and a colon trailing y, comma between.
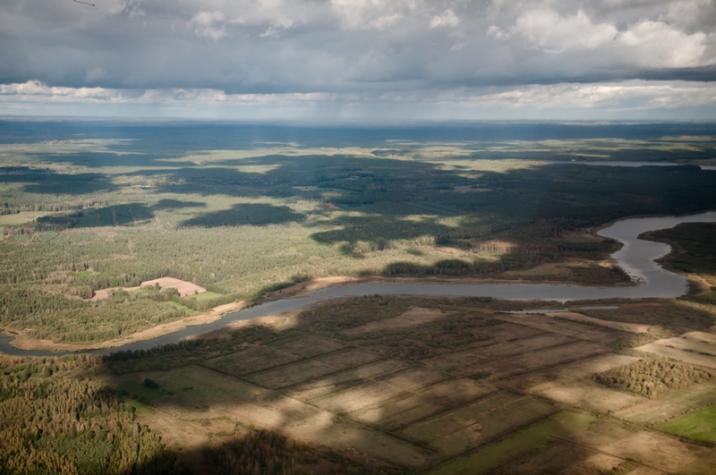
x: 445, y: 386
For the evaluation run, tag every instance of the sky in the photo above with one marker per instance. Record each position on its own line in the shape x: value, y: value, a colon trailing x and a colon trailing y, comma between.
x: 360, y: 60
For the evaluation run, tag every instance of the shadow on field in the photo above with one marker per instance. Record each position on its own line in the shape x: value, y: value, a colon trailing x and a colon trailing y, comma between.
x: 110, y: 159
x: 249, y: 214
x: 396, y: 199
x: 49, y: 182
x: 260, y: 452
x: 392, y: 385
x: 177, y: 204
x: 386, y: 192
x: 349, y: 376
x: 118, y: 215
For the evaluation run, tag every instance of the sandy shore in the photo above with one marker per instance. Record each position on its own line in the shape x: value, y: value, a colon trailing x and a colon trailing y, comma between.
x: 28, y: 343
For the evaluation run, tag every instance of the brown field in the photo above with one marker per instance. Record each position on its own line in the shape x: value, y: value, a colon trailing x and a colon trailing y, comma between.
x: 621, y: 326
x: 469, y: 426
x: 184, y: 288
x: 415, y: 316
x: 684, y: 348
x: 443, y: 385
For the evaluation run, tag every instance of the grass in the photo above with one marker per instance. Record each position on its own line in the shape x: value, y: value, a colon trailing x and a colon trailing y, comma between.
x: 141, y: 392
x: 698, y: 425
x: 534, y: 437
x: 21, y: 217
x: 207, y: 296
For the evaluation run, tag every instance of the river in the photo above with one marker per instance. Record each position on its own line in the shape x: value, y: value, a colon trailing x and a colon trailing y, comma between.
x: 637, y: 257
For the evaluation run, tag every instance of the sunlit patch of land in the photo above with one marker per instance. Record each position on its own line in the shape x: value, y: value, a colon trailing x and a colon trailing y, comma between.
x: 438, y: 385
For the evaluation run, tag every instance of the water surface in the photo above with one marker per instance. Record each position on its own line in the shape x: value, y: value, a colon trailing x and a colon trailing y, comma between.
x: 637, y: 257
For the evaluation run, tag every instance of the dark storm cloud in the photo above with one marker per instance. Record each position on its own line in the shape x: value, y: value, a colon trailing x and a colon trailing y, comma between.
x: 352, y: 45
x: 355, y: 55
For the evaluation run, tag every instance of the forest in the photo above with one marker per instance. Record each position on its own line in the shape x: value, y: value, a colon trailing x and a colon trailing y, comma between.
x: 241, y: 222
x: 59, y: 416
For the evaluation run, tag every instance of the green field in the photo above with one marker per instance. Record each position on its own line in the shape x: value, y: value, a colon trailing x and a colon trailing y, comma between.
x: 697, y: 425
x: 532, y: 438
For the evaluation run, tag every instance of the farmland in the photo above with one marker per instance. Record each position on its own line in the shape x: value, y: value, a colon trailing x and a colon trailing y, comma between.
x: 437, y: 385
x: 453, y: 386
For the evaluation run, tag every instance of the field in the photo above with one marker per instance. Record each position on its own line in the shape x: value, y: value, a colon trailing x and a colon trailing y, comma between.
x: 451, y: 386
x: 435, y: 385
x: 697, y: 425
x: 241, y: 217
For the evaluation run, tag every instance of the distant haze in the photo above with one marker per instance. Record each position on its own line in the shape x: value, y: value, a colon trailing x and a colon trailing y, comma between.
x: 360, y: 60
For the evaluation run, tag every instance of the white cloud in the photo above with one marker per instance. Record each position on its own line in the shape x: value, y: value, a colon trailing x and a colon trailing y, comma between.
x: 446, y: 19
x: 37, y: 91
x: 620, y: 100
x: 370, y: 14
x: 549, y: 31
x: 497, y: 33
x: 209, y: 25
x: 621, y: 95
x: 658, y: 44
x: 646, y: 43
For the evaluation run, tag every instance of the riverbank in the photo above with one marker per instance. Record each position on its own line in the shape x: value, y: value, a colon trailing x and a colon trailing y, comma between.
x: 22, y: 341
x: 637, y: 257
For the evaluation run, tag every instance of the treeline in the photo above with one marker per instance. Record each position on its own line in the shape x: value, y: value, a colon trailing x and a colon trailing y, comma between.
x: 649, y: 377
x: 49, y: 206
x: 56, y: 420
x: 263, y: 452
x: 72, y: 320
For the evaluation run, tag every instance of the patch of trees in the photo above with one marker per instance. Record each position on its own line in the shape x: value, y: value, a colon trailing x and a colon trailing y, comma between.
x: 263, y: 452
x: 73, y: 320
x: 55, y: 419
x: 649, y: 377
x: 693, y: 247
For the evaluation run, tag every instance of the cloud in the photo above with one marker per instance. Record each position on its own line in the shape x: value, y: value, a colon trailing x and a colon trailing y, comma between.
x: 209, y: 25
x: 608, y: 100
x: 370, y: 14
x: 658, y: 44
x: 647, y: 43
x: 547, y: 30
x: 617, y: 96
x: 38, y: 91
x: 497, y: 33
x: 357, y: 49
x: 446, y: 19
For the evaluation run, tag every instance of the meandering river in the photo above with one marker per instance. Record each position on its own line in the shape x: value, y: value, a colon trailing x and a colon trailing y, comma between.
x: 637, y: 257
